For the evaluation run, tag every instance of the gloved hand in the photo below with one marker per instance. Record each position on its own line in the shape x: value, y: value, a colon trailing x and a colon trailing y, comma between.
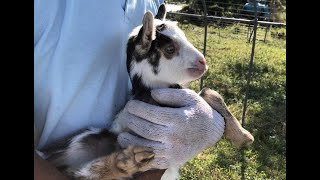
x: 175, y: 134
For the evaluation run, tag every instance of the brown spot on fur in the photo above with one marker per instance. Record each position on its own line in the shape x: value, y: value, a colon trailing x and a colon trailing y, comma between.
x: 121, y: 164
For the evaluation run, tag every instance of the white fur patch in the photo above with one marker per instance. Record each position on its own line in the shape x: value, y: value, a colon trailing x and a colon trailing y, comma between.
x: 119, y: 124
x: 79, y: 137
x: 172, y: 173
x: 85, y: 171
x: 75, y: 154
x: 144, y: 70
x: 75, y: 145
x: 42, y: 155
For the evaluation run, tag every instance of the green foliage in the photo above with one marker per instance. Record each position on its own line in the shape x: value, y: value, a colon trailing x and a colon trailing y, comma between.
x: 228, y: 58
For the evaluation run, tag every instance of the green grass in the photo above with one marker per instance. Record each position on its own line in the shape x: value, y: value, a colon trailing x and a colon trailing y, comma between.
x: 228, y: 58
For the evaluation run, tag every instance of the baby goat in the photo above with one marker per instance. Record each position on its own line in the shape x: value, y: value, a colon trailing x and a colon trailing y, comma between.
x: 158, y: 56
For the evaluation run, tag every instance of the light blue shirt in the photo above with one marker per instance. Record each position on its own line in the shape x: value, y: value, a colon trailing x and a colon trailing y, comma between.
x: 80, y: 76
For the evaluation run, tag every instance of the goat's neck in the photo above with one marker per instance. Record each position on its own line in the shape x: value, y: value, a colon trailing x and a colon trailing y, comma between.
x: 143, y: 93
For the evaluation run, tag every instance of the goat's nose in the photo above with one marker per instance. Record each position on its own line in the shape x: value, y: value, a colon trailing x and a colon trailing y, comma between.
x: 202, y: 61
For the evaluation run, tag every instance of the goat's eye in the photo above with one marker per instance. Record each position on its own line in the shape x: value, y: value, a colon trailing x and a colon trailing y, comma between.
x: 170, y: 49
x: 161, y: 27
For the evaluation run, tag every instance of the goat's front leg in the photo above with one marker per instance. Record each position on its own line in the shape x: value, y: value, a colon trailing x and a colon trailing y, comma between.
x: 120, y: 164
x: 233, y: 130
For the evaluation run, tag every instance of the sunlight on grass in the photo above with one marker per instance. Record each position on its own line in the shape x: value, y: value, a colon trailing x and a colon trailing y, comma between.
x: 228, y: 57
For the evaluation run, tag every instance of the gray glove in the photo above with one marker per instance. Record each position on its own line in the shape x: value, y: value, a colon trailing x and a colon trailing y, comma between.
x: 175, y: 134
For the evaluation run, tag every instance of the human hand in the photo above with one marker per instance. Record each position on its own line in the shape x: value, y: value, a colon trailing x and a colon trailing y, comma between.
x: 175, y: 134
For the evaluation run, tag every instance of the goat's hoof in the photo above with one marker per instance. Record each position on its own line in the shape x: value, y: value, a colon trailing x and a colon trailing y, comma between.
x: 133, y: 159
x: 241, y: 139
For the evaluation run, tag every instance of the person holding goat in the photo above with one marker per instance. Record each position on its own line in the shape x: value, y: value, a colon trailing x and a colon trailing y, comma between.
x: 81, y: 81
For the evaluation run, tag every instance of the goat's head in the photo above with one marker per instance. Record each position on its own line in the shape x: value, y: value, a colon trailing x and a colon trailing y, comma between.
x: 159, y: 54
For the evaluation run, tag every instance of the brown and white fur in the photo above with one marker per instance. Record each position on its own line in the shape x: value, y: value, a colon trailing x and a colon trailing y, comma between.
x: 158, y: 56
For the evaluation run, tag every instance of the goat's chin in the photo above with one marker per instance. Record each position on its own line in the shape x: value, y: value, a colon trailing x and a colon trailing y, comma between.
x: 195, y: 73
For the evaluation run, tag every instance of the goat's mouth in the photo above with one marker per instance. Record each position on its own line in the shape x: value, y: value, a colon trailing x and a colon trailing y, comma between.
x: 196, y: 72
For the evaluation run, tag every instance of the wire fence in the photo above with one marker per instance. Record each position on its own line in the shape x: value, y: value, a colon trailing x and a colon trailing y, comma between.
x: 251, y: 21
x: 238, y: 17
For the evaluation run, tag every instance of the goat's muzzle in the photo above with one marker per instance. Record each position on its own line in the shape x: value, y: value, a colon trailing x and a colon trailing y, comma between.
x: 198, y: 68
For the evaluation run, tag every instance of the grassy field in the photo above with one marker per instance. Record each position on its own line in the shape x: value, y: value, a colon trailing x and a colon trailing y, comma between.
x: 228, y: 58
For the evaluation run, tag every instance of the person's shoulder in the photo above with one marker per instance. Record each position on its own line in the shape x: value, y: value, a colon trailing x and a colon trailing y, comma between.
x: 134, y: 10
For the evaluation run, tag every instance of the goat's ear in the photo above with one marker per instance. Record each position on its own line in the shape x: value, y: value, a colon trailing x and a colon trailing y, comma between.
x: 148, y: 30
x: 162, y: 12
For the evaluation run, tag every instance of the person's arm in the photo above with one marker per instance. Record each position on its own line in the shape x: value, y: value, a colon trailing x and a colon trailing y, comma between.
x: 45, y: 171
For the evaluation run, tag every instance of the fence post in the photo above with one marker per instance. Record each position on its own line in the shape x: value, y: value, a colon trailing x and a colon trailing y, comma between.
x: 250, y: 64
x: 265, y: 33
x: 268, y: 26
x: 205, y: 35
x: 219, y: 30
